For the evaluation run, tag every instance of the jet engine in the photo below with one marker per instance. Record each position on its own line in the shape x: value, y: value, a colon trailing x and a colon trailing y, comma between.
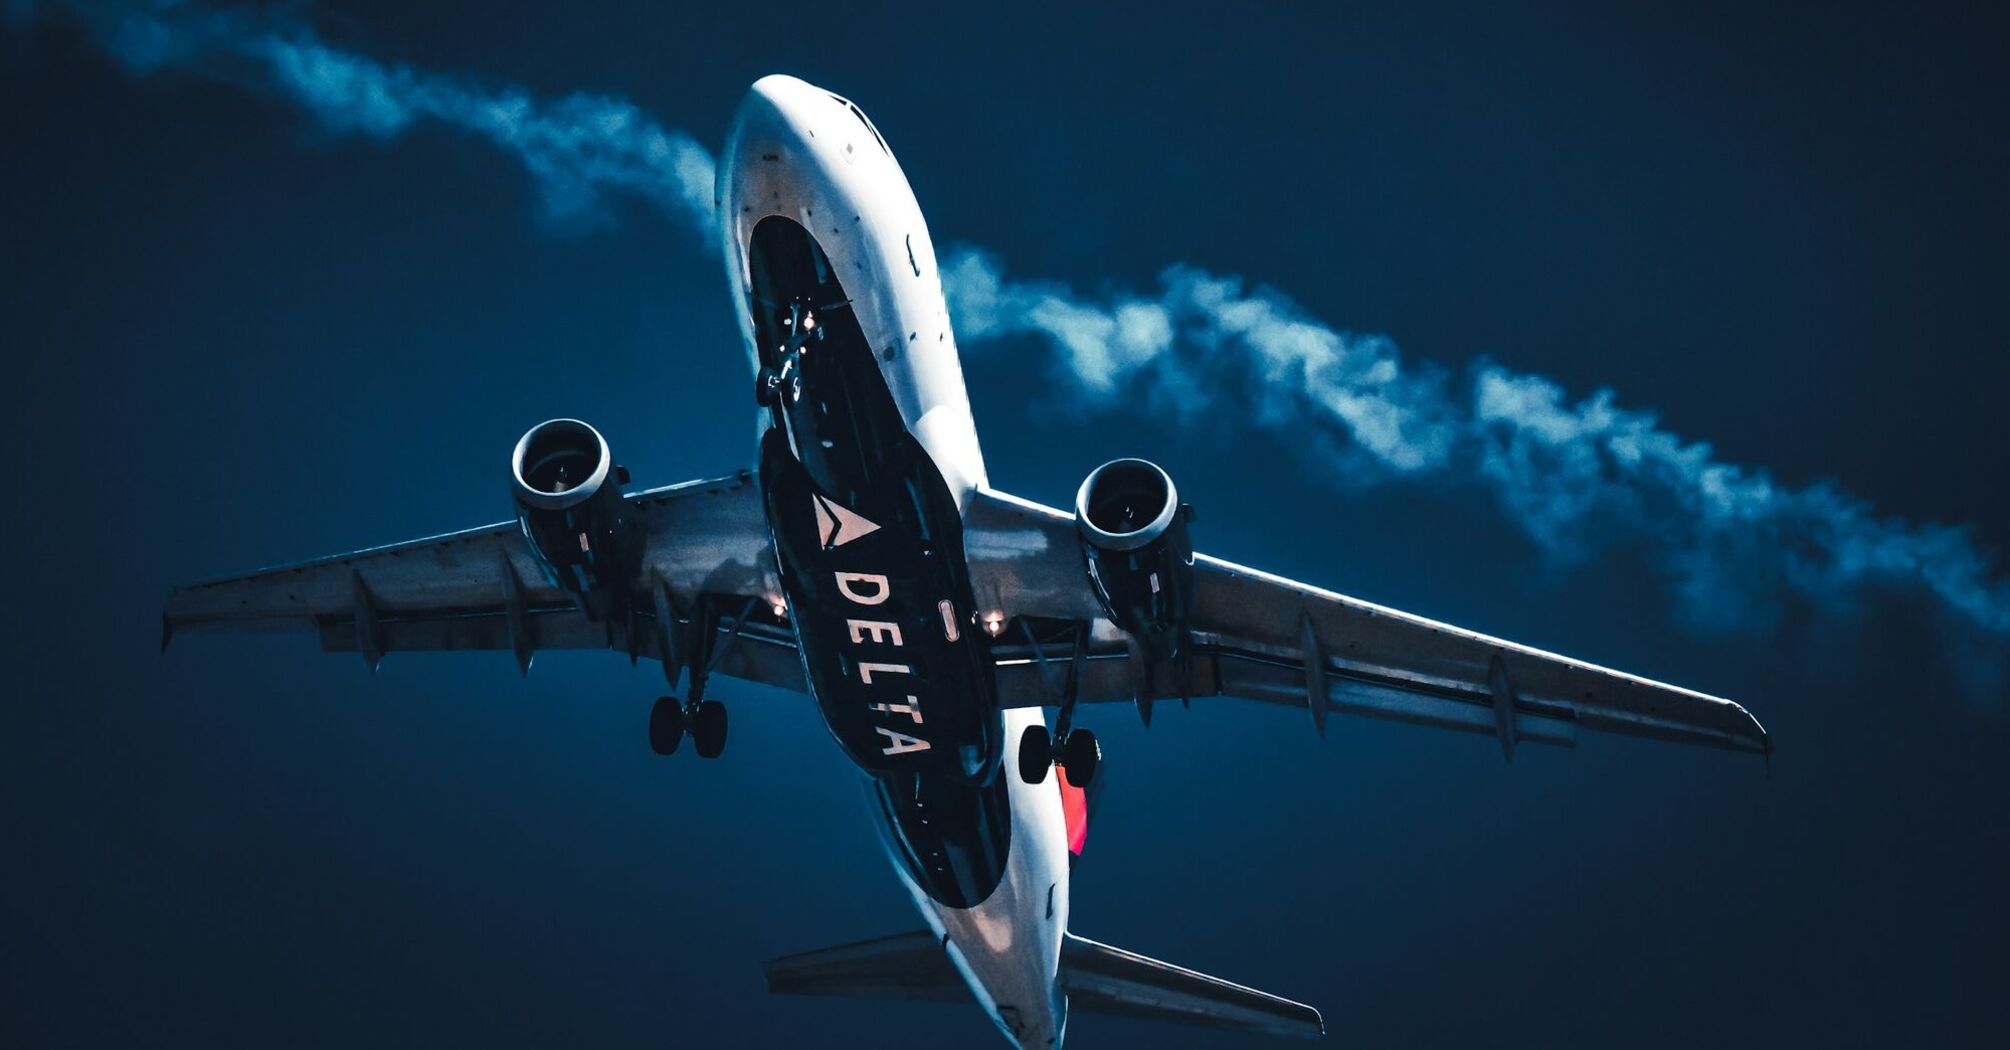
x: 569, y: 502
x: 1139, y: 556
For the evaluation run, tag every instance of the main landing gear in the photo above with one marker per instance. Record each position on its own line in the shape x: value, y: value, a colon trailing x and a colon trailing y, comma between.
x: 1076, y: 750
x: 670, y: 719
x: 1078, y: 754
x: 699, y: 648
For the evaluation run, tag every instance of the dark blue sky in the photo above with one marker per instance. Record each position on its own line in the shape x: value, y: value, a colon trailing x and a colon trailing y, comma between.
x: 235, y: 339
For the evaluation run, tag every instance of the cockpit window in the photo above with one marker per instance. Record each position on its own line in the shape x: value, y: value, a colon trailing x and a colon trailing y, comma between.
x: 860, y: 114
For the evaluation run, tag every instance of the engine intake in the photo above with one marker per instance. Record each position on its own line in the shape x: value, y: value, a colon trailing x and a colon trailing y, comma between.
x: 569, y: 502
x: 1138, y: 553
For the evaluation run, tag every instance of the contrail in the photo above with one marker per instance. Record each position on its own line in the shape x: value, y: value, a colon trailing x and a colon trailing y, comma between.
x: 576, y: 147
x: 1577, y: 477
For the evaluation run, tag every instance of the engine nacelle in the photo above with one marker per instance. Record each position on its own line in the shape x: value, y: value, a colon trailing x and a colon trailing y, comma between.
x: 1137, y: 550
x: 569, y: 502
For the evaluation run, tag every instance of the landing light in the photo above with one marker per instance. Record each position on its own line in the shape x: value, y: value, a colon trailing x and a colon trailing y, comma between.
x: 994, y: 623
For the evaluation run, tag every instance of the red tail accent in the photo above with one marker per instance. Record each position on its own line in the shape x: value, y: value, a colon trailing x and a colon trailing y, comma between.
x: 1075, y: 807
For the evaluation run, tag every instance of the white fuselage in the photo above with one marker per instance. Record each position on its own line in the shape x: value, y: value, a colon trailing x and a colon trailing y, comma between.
x: 800, y: 152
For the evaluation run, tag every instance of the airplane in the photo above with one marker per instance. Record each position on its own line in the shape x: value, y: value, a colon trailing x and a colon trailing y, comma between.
x: 865, y: 560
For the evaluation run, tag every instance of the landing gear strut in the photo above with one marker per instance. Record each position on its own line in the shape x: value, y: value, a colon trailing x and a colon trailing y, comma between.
x: 783, y: 381
x: 666, y: 725
x: 1075, y: 749
x: 670, y: 719
x: 705, y: 720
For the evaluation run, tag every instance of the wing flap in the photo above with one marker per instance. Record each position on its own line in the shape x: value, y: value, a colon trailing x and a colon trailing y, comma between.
x: 705, y: 536
x: 1108, y: 675
x: 558, y: 627
x: 1375, y: 644
x: 481, y: 589
x: 1254, y: 633
x: 456, y: 570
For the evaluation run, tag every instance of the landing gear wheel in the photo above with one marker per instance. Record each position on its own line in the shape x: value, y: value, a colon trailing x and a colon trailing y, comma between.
x: 1081, y: 756
x: 765, y: 386
x: 666, y: 725
x: 708, y: 729
x: 1036, y: 753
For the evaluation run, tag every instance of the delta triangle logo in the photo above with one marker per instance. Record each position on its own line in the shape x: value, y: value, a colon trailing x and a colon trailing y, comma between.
x: 838, y: 525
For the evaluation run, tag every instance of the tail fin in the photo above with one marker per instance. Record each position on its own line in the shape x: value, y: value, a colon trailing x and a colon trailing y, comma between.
x: 1098, y: 978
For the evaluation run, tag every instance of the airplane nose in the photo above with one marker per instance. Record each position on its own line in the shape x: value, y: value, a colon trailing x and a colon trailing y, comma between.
x: 773, y: 123
x: 762, y: 133
x: 780, y: 88
x: 760, y: 113
x: 777, y: 103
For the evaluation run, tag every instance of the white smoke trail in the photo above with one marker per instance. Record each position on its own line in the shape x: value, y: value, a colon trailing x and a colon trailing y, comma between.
x: 575, y: 148
x: 1575, y: 478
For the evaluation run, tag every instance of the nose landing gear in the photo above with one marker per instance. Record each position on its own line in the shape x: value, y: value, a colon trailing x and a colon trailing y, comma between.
x: 782, y: 382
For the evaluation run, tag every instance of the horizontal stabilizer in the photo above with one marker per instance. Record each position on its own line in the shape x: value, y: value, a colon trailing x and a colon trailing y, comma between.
x: 903, y: 966
x: 1105, y: 980
x: 1098, y: 979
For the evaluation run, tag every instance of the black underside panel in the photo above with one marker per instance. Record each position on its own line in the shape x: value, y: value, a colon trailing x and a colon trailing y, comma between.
x: 868, y: 539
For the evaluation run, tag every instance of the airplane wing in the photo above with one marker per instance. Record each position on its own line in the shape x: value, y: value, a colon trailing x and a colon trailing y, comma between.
x: 706, y: 567
x: 1261, y: 637
x: 707, y: 570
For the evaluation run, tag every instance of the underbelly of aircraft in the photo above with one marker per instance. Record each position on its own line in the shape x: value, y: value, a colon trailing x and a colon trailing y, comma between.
x: 867, y: 536
x: 882, y: 618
